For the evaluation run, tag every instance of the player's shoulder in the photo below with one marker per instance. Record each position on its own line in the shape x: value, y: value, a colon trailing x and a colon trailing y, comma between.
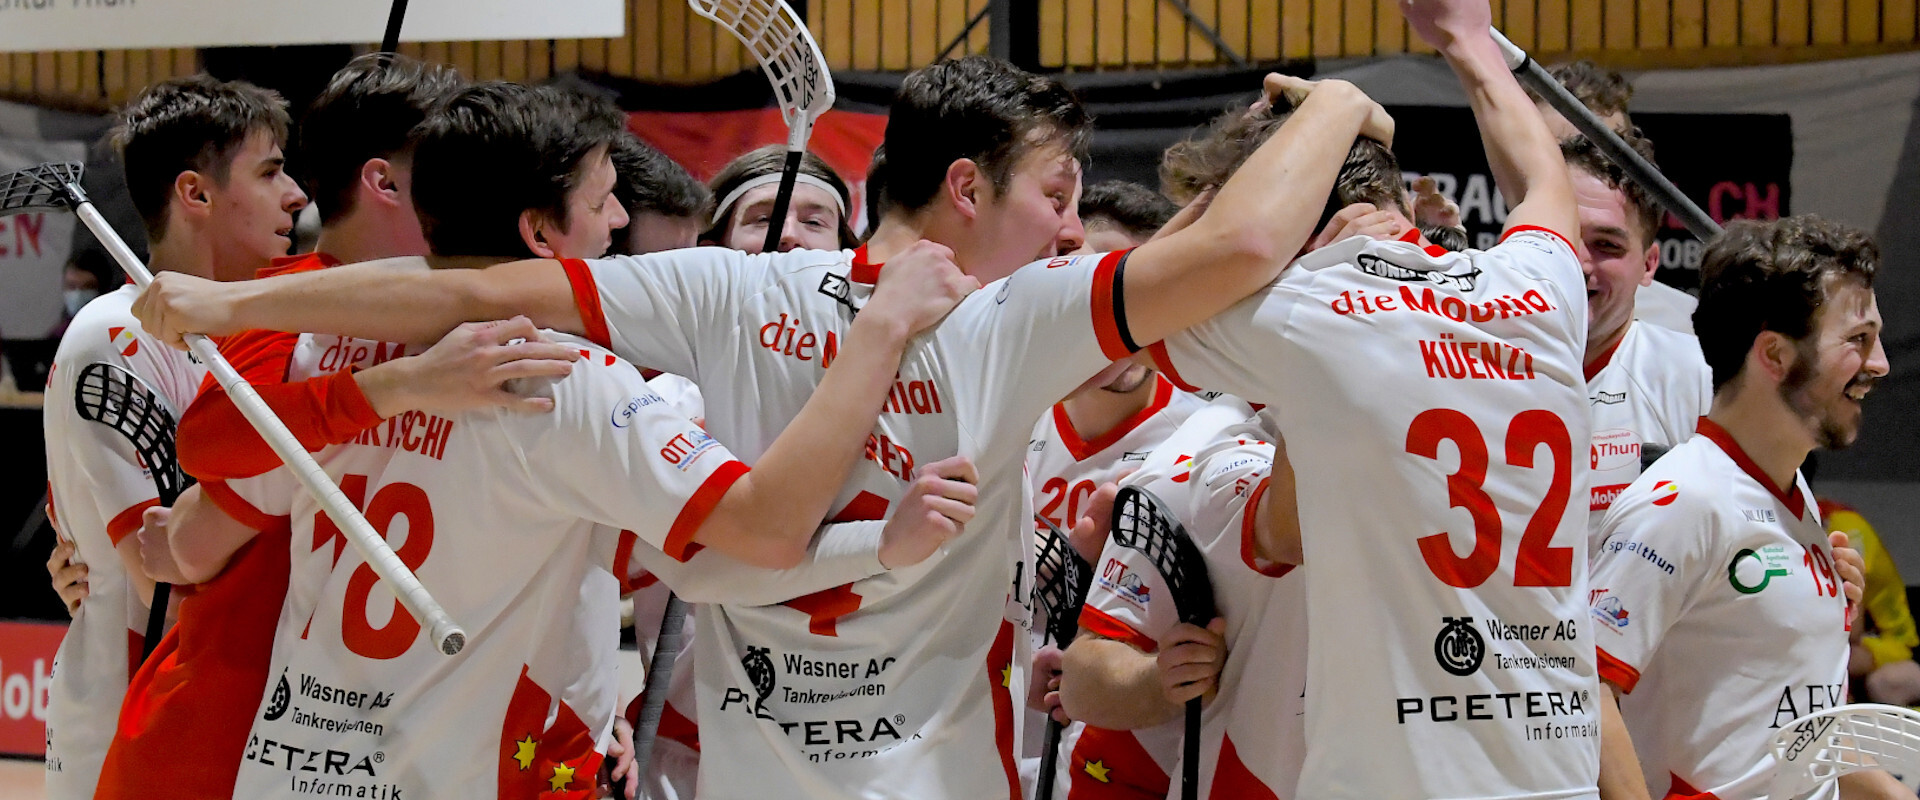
x: 1679, y: 493
x: 1223, y: 423
x: 104, y: 330
x: 1658, y: 350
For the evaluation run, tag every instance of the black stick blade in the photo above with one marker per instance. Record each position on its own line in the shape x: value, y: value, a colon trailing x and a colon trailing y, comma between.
x: 38, y: 188
x: 1144, y: 523
x: 112, y: 396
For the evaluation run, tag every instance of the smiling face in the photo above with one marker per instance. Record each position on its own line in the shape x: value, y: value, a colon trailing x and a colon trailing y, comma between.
x: 1618, y: 258
x: 813, y: 220
x: 593, y: 214
x: 1014, y: 227
x: 1836, y: 365
x: 250, y: 214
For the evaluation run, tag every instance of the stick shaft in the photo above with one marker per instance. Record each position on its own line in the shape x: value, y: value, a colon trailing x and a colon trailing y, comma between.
x: 1534, y: 76
x: 789, y: 176
x: 390, y: 43
x: 1049, y: 754
x: 666, y: 648
x: 448, y: 637
x: 1190, y: 753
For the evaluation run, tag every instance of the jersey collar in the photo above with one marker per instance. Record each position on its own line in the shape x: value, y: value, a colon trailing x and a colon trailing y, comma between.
x: 305, y: 261
x: 1791, y: 498
x: 1412, y: 236
x: 864, y: 271
x: 1083, y: 450
x: 1607, y: 357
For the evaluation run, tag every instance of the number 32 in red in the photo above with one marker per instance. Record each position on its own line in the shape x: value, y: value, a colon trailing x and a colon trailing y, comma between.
x: 1537, y: 563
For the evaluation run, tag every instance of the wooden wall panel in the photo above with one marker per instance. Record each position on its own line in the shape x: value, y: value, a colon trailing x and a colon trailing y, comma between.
x: 666, y: 42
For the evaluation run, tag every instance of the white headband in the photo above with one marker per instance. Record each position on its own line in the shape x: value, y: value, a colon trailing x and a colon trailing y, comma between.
x: 726, y: 203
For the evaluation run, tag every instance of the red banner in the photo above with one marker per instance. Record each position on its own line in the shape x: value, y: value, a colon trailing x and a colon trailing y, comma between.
x: 705, y: 141
x: 26, y: 679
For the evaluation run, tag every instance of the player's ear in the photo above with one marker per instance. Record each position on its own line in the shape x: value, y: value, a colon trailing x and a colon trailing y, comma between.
x: 190, y: 192
x: 1773, y: 354
x: 377, y: 179
x: 533, y: 233
x: 1652, y: 264
x: 963, y: 185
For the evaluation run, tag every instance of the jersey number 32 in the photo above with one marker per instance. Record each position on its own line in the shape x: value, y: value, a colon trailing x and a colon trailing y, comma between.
x: 1537, y: 563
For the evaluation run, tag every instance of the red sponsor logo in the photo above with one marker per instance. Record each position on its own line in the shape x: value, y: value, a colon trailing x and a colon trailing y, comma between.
x: 123, y: 339
x: 785, y: 337
x: 1453, y: 308
x: 913, y: 397
x: 1447, y: 358
x: 26, y: 683
x: 358, y: 353
x: 1664, y: 493
x: 894, y: 459
x: 1603, y: 496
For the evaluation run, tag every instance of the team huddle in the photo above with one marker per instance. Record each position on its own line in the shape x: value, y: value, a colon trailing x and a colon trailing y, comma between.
x: 509, y: 355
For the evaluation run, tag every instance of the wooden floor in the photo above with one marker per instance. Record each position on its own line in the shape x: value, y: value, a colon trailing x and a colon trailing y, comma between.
x: 22, y: 779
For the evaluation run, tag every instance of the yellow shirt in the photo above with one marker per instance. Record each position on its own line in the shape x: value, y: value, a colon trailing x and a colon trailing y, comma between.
x: 1894, y: 635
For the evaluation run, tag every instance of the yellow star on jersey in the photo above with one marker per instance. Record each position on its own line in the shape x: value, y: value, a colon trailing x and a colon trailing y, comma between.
x: 1098, y: 771
x: 523, y: 751
x: 562, y: 775
x: 1006, y: 675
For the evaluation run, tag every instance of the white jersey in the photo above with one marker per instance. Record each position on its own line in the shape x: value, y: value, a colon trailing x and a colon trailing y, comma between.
x: 99, y: 488
x: 1665, y: 306
x: 1722, y: 617
x: 1212, y: 472
x: 1065, y: 469
x: 1646, y: 394
x: 679, y: 393
x: 362, y: 703
x: 1433, y: 402
x: 898, y: 685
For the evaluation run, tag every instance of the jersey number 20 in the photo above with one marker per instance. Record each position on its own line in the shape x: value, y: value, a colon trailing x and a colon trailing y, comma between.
x: 1537, y: 563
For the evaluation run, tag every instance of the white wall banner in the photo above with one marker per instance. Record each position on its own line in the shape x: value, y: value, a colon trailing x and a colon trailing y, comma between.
x: 40, y: 25
x: 33, y: 247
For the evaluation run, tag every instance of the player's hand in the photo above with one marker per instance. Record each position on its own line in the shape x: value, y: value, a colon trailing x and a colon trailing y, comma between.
x: 1294, y: 91
x: 156, y: 550
x: 470, y: 368
x: 620, y: 763
x: 1360, y: 219
x: 1043, y: 683
x: 1853, y: 575
x: 1089, y: 534
x: 918, y: 288
x: 1440, y: 22
x: 1190, y: 660
x: 936, y: 508
x: 69, y: 579
x: 1430, y: 207
x: 176, y: 304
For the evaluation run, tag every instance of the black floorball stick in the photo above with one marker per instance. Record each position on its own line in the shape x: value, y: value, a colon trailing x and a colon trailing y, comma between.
x: 114, y: 397
x: 1143, y: 523
x: 666, y: 648
x: 1060, y: 584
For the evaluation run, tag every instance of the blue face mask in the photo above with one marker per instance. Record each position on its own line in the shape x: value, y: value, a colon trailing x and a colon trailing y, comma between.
x: 76, y: 299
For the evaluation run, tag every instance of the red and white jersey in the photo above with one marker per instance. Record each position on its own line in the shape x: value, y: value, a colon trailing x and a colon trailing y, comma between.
x: 505, y: 518
x: 680, y: 393
x: 1433, y: 402
x: 1212, y: 473
x: 99, y: 487
x: 897, y: 685
x: 1646, y: 394
x: 1065, y: 469
x: 1721, y: 617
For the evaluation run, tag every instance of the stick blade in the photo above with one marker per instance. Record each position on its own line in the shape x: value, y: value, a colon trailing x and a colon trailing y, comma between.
x: 39, y: 188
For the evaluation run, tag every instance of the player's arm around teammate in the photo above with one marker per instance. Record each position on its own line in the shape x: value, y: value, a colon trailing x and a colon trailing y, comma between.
x: 1253, y: 227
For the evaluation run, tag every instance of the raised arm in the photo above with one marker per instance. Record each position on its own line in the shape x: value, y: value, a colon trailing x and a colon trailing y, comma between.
x: 395, y: 300
x: 1526, y: 160
x: 1255, y: 223
x: 768, y: 516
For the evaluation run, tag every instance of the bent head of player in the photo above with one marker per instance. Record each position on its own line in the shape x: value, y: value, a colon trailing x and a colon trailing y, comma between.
x: 505, y: 170
x: 353, y: 152
x: 985, y: 159
x: 204, y: 169
x: 1787, y: 316
x: 1602, y: 90
x: 1618, y: 221
x: 664, y: 204
x: 817, y: 217
x: 1119, y: 215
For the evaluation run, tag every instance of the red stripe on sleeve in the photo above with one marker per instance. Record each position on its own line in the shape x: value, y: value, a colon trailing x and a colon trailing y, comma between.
x: 622, y: 557
x: 237, y: 507
x: 1248, y: 522
x: 1164, y: 360
x: 128, y: 521
x: 694, y: 514
x: 586, y: 296
x: 1617, y: 672
x: 1548, y: 231
x: 1106, y: 327
x: 1107, y: 626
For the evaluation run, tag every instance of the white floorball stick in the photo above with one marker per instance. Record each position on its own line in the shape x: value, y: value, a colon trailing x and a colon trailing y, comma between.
x: 1821, y: 747
x: 779, y: 40
x: 57, y: 186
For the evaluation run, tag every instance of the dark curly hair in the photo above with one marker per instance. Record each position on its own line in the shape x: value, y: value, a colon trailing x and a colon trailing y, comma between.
x: 1773, y: 276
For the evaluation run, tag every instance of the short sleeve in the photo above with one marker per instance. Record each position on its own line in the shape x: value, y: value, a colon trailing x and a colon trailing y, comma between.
x: 614, y: 453
x: 1121, y: 602
x: 116, y: 483
x: 1215, y: 355
x: 1650, y: 563
x: 1023, y: 342
x: 660, y: 308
